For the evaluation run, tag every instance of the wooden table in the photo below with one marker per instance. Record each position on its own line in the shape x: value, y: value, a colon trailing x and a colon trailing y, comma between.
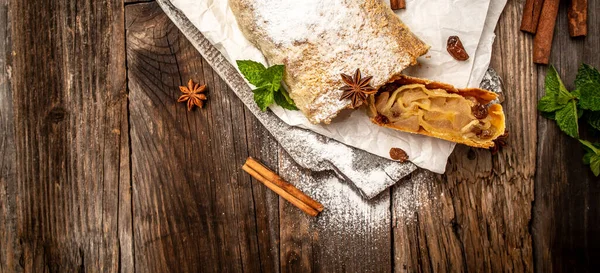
x: 101, y: 169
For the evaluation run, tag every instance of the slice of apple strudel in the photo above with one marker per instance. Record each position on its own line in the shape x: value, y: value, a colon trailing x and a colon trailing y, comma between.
x: 439, y: 110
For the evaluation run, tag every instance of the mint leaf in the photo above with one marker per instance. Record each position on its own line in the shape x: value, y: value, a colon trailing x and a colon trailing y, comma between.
x: 586, y: 74
x: 268, y: 83
x: 553, y: 82
x: 263, y: 97
x: 566, y: 118
x: 592, y: 157
x: 549, y: 115
x: 252, y: 71
x: 595, y: 164
x: 590, y: 96
x: 564, y: 96
x: 282, y: 101
x: 576, y: 93
x: 587, y: 158
x: 593, y: 120
x: 273, y: 77
x: 557, y: 95
x: 590, y: 147
x: 548, y: 104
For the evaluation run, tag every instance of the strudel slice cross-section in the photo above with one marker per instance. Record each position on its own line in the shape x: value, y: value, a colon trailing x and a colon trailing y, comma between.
x: 439, y: 110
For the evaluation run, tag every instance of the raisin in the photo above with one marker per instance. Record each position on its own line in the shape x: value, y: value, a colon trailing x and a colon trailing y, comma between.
x: 480, y: 111
x: 398, y: 154
x: 390, y: 87
x: 456, y: 49
x: 381, y: 119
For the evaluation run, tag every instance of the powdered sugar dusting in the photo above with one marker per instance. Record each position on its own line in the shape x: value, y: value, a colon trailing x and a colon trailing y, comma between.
x: 346, y: 211
x: 409, y: 195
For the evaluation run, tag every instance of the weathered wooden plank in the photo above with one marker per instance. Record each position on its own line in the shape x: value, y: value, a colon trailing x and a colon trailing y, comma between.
x: 68, y: 88
x: 194, y: 207
x: 566, y: 221
x: 261, y: 145
x: 9, y: 251
x: 476, y: 217
x: 350, y: 235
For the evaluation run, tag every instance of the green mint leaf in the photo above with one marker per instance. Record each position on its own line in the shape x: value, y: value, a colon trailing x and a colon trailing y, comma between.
x: 282, y: 101
x: 549, y: 104
x: 586, y: 74
x: 273, y: 77
x: 587, y: 158
x: 549, y: 115
x: 566, y: 118
x: 252, y: 71
x: 590, y: 96
x: 595, y: 164
x: 553, y: 82
x: 593, y: 120
x: 576, y: 93
x: 263, y: 97
x: 564, y: 96
x: 287, y: 96
x: 595, y: 149
x: 592, y: 157
x: 268, y: 83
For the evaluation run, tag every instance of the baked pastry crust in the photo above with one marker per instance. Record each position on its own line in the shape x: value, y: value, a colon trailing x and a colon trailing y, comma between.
x: 438, y: 110
x: 317, y: 40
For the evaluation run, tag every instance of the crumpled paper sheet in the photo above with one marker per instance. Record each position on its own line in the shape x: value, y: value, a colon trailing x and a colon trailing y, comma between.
x: 433, y: 21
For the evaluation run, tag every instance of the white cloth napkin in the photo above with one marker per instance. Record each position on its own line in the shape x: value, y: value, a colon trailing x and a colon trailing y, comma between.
x: 433, y: 21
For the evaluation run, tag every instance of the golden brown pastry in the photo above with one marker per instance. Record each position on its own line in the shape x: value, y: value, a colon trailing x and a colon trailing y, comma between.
x: 317, y: 40
x: 439, y: 110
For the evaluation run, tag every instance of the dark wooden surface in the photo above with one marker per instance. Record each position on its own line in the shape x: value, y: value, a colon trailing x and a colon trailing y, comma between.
x: 101, y: 169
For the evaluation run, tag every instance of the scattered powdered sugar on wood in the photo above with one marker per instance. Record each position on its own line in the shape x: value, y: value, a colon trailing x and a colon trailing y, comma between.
x: 409, y: 195
x: 346, y: 212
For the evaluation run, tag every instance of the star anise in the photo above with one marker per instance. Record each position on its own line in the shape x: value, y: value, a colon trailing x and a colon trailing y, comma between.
x: 192, y: 93
x: 357, y: 88
x: 500, y: 142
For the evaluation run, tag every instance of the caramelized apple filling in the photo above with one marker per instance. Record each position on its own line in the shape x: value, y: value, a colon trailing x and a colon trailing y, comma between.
x: 414, y: 108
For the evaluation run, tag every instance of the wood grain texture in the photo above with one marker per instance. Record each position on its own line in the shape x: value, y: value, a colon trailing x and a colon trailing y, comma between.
x: 476, y: 217
x: 346, y: 237
x: 566, y: 222
x: 194, y: 206
x: 9, y: 251
x: 94, y: 180
x: 69, y: 97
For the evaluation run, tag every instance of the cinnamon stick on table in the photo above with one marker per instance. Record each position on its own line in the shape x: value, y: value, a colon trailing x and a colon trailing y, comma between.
x: 531, y: 15
x: 282, y: 188
x: 398, y: 4
x: 542, y: 43
x: 578, y: 12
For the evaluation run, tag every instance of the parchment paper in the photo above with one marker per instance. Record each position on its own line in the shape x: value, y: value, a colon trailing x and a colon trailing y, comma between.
x: 433, y: 21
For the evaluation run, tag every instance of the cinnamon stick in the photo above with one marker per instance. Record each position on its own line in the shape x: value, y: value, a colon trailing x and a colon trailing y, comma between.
x: 531, y: 15
x: 398, y: 4
x: 542, y: 43
x: 578, y: 12
x: 277, y: 180
x: 285, y: 195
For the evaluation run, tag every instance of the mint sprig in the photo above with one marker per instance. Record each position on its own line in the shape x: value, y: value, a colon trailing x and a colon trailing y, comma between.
x: 566, y: 108
x: 268, y: 84
x: 592, y: 157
